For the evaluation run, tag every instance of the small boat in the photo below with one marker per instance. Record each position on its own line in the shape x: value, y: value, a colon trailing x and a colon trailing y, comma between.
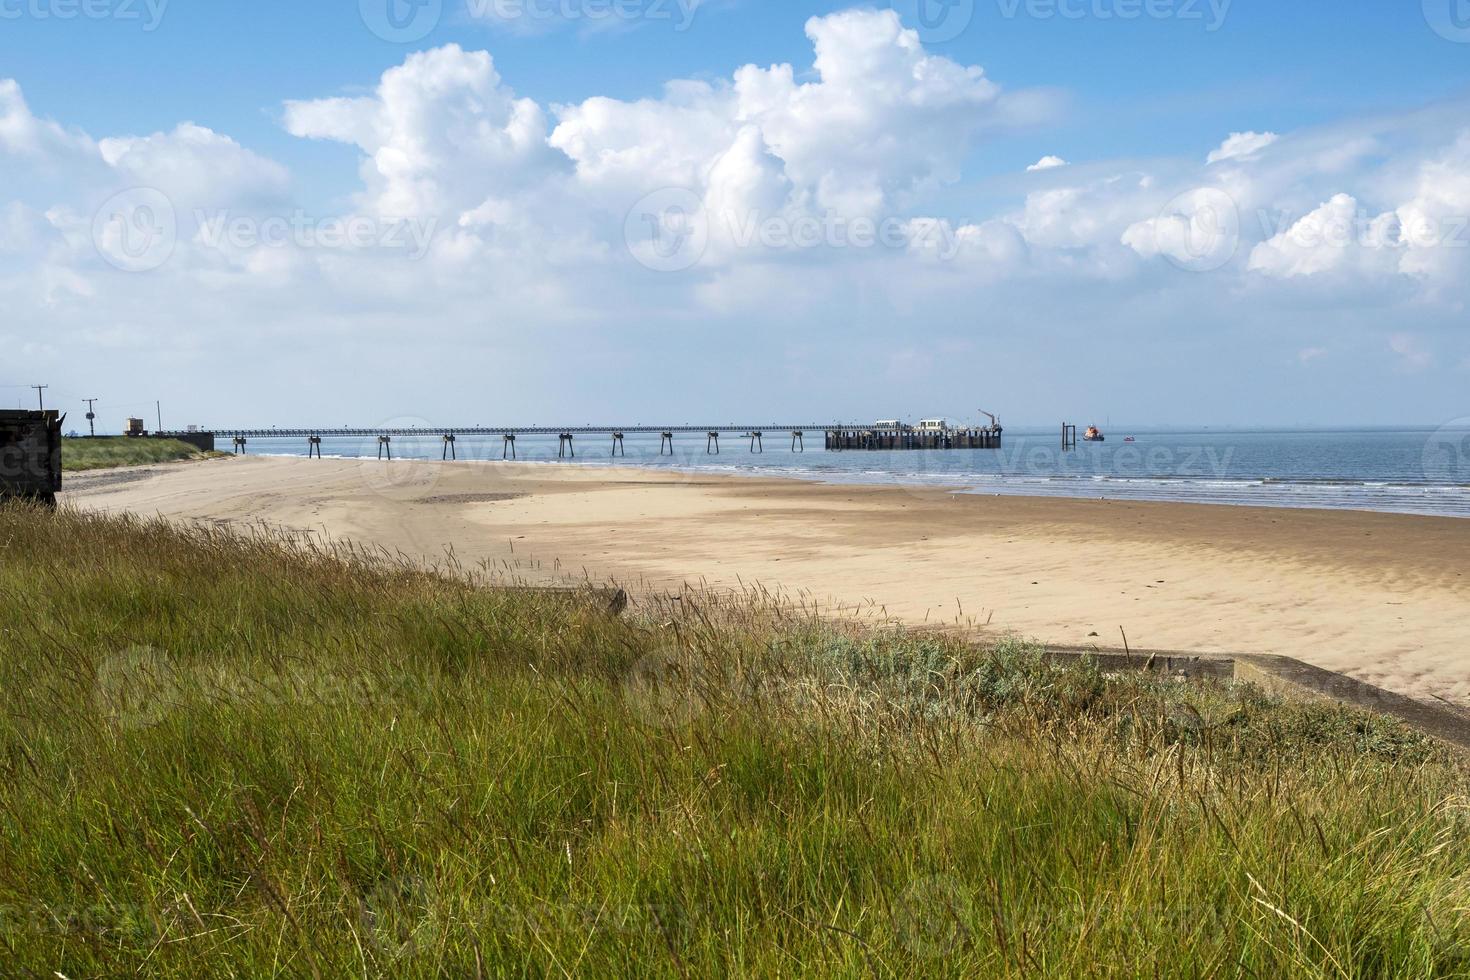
x: 1094, y: 434
x: 1130, y: 439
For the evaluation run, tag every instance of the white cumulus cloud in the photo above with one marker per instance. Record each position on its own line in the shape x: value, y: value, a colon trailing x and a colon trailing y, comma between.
x: 1048, y: 162
x: 441, y: 133
x: 1242, y: 146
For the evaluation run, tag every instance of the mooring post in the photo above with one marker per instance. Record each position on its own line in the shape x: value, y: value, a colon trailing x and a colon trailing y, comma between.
x: 449, y: 450
x: 756, y: 446
x: 668, y: 437
x: 618, y: 445
x: 565, y: 447
x: 712, y: 444
x: 385, y: 444
x: 314, y: 447
x: 797, y: 440
x: 509, y: 446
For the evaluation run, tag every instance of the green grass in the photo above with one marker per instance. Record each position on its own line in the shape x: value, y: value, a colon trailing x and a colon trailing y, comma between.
x: 249, y: 757
x: 107, y: 452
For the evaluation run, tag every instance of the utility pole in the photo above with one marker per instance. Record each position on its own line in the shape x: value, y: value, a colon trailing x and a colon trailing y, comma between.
x: 159, y: 405
x: 40, y: 398
x: 91, y: 415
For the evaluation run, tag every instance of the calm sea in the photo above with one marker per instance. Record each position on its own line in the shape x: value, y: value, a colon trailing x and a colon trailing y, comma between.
x: 1412, y: 471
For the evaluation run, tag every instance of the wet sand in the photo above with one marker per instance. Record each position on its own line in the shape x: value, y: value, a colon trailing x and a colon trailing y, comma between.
x: 1382, y: 597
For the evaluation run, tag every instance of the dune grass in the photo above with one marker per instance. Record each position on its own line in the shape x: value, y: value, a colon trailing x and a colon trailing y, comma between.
x: 229, y: 756
x: 109, y: 452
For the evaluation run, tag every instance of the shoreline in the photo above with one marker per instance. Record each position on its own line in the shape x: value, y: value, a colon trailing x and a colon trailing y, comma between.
x: 1378, y: 596
x: 1125, y: 488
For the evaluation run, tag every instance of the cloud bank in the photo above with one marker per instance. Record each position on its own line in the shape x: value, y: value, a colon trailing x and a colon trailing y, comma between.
x: 821, y: 198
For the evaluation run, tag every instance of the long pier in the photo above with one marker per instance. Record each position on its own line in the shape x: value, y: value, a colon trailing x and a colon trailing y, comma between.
x: 838, y: 437
x: 495, y: 430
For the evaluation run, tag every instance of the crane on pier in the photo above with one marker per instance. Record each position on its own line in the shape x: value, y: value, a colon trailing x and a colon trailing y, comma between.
x: 994, y: 420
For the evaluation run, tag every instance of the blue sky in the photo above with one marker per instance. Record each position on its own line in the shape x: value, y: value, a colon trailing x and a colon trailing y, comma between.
x: 528, y: 280
x: 1139, y: 87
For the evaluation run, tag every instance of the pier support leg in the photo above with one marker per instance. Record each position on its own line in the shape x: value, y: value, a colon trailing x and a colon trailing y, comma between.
x: 449, y: 450
x: 314, y: 447
x: 756, y: 446
x: 712, y: 444
x: 618, y: 447
x: 666, y: 439
x: 509, y: 447
x: 565, y: 449
x: 798, y: 441
x: 385, y: 444
x: 240, y: 445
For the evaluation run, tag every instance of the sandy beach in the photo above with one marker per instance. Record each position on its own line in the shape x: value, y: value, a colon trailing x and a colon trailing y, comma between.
x: 1381, y: 597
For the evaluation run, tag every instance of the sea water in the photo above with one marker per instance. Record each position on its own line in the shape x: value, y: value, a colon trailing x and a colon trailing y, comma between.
x: 1405, y: 470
